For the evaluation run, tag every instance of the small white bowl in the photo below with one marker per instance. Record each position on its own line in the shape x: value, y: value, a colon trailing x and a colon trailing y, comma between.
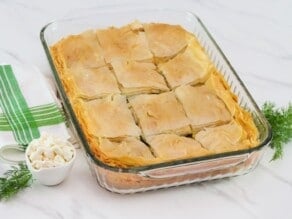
x: 51, y: 176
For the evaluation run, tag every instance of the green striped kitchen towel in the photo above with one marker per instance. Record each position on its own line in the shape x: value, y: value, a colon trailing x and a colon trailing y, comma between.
x: 27, y: 106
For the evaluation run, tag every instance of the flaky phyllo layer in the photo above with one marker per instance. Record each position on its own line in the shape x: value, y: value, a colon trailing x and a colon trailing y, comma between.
x: 148, y: 93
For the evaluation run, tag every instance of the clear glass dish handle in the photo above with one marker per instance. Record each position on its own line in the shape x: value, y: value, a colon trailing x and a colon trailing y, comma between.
x: 199, y: 167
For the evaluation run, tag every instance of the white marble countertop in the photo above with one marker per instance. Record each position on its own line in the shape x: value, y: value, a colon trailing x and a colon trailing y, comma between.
x: 256, y: 36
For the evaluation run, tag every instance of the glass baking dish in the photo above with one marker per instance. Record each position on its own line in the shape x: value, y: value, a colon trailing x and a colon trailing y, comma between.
x: 179, y: 172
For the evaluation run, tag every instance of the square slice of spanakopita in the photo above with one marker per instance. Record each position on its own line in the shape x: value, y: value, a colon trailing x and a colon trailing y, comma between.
x: 165, y: 40
x: 202, y: 106
x: 223, y: 138
x: 82, y: 49
x: 160, y: 113
x: 109, y: 117
x: 90, y: 83
x: 171, y: 146
x: 123, y: 43
x: 192, y: 66
x: 138, y: 77
x: 129, y: 150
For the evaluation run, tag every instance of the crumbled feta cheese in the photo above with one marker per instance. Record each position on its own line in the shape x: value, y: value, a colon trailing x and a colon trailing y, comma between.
x: 49, y: 151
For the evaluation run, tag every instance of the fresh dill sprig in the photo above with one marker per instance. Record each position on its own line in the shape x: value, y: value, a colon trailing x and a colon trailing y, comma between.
x: 281, y: 123
x: 14, y: 180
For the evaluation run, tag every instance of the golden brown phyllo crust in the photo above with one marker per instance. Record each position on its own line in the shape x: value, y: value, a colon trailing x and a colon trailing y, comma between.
x: 148, y: 93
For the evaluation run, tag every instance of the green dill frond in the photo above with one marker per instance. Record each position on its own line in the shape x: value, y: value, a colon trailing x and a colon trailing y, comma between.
x: 14, y: 180
x: 280, y: 120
